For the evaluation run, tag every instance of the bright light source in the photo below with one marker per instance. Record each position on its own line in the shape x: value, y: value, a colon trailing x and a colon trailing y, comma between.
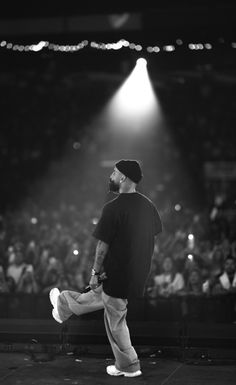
x: 75, y: 252
x: 94, y: 221
x: 191, y: 241
x: 141, y: 62
x: 178, y: 207
x: 190, y: 257
x: 39, y: 46
x: 134, y: 107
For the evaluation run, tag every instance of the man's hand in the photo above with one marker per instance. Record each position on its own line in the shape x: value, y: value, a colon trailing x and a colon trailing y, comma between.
x: 93, y: 283
x: 96, y: 280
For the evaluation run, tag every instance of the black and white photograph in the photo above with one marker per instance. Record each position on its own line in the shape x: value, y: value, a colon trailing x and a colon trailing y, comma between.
x: 118, y: 193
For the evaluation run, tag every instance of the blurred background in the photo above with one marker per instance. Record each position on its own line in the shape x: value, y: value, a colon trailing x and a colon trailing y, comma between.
x: 85, y: 85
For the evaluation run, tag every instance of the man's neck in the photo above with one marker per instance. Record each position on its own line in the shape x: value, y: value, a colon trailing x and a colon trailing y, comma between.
x: 128, y: 190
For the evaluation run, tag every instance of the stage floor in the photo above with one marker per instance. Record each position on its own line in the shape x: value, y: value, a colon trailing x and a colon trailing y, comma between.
x: 21, y: 368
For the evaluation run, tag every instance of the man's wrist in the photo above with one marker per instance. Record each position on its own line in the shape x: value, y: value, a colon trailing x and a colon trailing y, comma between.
x: 94, y: 272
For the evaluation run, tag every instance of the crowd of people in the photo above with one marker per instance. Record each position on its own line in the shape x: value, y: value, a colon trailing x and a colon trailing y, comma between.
x: 46, y: 222
x: 41, y: 249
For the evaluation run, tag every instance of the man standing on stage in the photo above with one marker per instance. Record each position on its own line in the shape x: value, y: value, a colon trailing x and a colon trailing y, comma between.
x: 126, y: 235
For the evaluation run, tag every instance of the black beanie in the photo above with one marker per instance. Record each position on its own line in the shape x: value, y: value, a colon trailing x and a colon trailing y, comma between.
x: 131, y: 169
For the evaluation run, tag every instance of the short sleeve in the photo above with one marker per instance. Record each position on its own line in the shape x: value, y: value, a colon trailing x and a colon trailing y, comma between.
x: 106, y: 226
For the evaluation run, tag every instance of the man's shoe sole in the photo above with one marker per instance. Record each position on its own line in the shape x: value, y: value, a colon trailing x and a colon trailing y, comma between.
x: 112, y: 371
x: 52, y: 296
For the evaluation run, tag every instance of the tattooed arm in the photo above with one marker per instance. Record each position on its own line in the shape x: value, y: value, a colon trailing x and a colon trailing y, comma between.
x: 101, y: 251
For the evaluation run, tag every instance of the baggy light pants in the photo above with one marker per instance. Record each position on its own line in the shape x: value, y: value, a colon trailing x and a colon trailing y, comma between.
x: 115, y: 310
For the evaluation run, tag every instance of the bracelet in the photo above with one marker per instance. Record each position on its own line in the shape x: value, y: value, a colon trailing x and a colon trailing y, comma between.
x: 94, y: 272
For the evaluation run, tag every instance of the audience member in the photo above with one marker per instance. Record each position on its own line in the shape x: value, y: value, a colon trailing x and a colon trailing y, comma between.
x: 27, y: 282
x: 212, y: 286
x: 194, y: 284
x: 169, y: 281
x: 53, y: 275
x: 228, y: 277
x: 17, y: 265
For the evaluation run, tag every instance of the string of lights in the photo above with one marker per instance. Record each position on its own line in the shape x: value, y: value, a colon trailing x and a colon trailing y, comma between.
x: 122, y: 43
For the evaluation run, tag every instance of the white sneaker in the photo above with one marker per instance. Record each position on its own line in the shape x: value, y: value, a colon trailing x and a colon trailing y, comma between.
x: 112, y: 371
x: 53, y: 295
x: 56, y: 316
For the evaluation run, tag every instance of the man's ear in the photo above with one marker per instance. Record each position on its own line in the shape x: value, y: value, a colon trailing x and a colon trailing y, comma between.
x: 122, y: 179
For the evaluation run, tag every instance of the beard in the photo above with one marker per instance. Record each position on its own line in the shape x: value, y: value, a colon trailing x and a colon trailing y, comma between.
x: 113, y: 186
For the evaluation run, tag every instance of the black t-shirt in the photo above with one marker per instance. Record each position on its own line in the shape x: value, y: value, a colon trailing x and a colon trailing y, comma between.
x: 128, y: 224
